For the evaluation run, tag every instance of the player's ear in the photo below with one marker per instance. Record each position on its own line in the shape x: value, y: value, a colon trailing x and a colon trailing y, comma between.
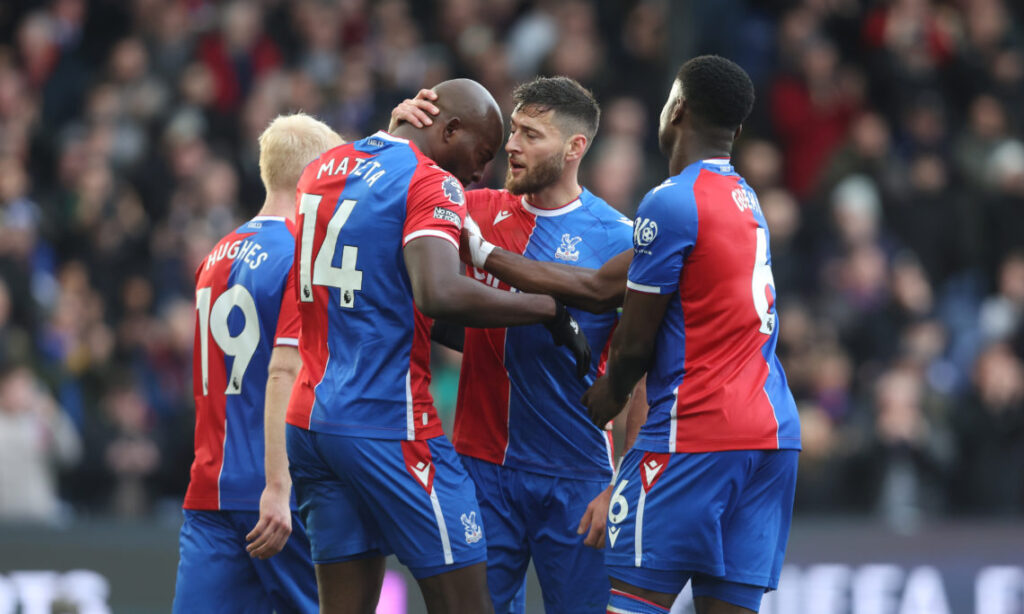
x: 679, y: 109
x: 739, y: 131
x: 575, y: 147
x: 451, y: 127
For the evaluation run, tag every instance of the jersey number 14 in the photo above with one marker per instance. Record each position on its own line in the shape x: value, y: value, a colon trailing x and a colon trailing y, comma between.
x: 322, y: 272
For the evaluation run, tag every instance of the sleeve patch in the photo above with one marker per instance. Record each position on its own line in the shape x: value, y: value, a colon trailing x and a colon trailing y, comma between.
x: 645, y: 231
x: 453, y: 190
x: 447, y: 215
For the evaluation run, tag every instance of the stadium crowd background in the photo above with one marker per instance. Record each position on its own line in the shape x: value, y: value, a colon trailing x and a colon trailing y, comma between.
x: 887, y: 147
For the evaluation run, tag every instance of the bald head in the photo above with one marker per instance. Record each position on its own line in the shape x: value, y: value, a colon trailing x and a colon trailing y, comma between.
x: 467, y: 132
x: 472, y: 102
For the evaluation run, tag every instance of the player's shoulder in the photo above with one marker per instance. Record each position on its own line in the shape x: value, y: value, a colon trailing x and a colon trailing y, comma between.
x: 607, y: 215
x: 673, y: 196
x: 486, y: 199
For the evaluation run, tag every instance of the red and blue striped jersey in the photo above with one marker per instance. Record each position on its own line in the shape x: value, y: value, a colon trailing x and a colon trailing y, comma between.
x: 715, y: 382
x: 519, y: 398
x: 242, y: 311
x: 365, y: 346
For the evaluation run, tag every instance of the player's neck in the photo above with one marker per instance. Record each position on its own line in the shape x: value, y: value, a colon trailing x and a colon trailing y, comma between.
x: 558, y: 194
x: 279, y: 204
x: 416, y: 136
x: 683, y: 156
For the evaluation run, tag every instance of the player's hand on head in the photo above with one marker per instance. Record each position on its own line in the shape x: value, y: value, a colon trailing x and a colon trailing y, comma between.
x: 595, y: 519
x: 417, y: 111
x: 566, y: 331
x: 601, y: 403
x: 473, y: 248
x: 274, y: 527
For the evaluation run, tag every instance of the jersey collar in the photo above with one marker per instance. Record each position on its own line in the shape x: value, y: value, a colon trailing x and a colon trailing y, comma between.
x: 566, y: 208
x: 380, y: 134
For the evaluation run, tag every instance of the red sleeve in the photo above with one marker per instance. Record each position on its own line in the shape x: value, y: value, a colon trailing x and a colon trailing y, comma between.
x: 288, y: 320
x: 435, y: 207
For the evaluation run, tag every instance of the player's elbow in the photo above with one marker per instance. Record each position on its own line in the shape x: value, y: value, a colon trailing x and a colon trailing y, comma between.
x: 432, y: 301
x: 601, y: 298
x: 283, y: 373
x: 633, y: 352
x: 607, y: 299
x: 285, y: 364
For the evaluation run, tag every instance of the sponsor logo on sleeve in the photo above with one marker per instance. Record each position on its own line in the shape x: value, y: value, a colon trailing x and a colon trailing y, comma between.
x: 453, y: 190
x: 440, y: 213
x: 645, y: 231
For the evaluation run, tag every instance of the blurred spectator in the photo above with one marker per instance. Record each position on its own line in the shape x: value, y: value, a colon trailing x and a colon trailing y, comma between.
x: 989, y: 428
x: 760, y: 163
x: 912, y: 452
x: 237, y: 53
x: 122, y: 464
x: 811, y: 112
x: 36, y: 440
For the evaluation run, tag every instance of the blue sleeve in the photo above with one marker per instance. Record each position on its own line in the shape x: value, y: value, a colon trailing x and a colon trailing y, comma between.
x: 664, y: 232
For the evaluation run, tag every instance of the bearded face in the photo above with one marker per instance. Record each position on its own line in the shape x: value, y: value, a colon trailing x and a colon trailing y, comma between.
x: 536, y: 151
x: 526, y: 178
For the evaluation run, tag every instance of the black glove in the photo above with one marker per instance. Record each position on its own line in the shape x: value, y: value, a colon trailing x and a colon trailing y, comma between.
x: 566, y: 331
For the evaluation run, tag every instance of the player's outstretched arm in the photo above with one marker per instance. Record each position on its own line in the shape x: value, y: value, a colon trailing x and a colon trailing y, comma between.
x: 441, y: 293
x: 274, y: 527
x: 593, y: 290
x: 629, y: 355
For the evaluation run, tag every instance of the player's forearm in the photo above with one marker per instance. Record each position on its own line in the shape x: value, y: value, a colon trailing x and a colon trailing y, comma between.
x: 636, y: 412
x: 469, y: 303
x: 627, y: 363
x: 279, y: 387
x: 593, y: 290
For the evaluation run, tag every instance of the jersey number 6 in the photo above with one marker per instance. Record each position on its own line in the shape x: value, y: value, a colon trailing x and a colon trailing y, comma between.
x: 322, y: 272
x: 760, y: 284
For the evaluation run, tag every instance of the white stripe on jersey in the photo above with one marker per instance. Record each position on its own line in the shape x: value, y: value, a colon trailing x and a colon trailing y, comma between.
x: 223, y: 455
x: 608, y: 447
x: 632, y: 285
x: 290, y: 341
x: 672, y: 415
x: 442, y: 528
x: 775, y: 416
x: 410, y: 423
x: 638, y: 540
x: 427, y: 232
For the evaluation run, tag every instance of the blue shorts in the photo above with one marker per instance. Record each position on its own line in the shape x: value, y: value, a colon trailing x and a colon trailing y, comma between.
x: 725, y: 515
x: 216, y: 574
x: 372, y: 497
x: 529, y: 514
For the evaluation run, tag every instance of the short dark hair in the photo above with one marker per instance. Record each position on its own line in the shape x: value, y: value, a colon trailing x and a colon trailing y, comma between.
x: 576, y: 109
x: 717, y: 90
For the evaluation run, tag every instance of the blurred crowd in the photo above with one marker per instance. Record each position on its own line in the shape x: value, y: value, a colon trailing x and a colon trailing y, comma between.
x: 886, y: 145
